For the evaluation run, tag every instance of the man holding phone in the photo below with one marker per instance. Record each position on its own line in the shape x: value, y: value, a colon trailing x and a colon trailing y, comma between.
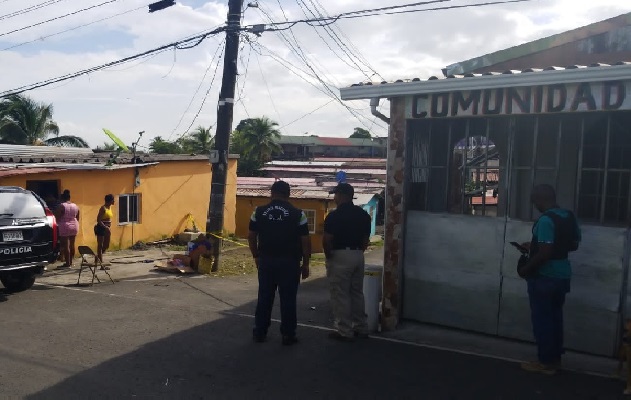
x: 548, y: 272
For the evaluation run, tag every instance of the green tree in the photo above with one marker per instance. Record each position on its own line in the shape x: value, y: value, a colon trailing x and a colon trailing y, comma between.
x: 161, y: 146
x: 27, y: 122
x: 249, y: 164
x: 260, y: 138
x: 200, y: 141
x: 360, y: 133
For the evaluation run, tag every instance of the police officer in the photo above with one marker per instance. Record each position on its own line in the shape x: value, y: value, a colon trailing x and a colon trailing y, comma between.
x: 279, y: 239
x: 346, y: 237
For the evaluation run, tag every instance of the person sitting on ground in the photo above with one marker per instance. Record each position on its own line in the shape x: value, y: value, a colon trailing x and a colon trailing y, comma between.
x: 201, y: 247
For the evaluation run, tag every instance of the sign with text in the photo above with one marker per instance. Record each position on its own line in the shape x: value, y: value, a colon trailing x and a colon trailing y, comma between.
x: 557, y: 98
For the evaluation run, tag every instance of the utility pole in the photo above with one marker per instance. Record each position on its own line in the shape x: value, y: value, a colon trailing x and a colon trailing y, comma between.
x: 214, y: 223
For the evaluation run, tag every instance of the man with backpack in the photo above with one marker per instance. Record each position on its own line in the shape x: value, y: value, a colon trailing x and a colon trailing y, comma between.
x: 548, y: 273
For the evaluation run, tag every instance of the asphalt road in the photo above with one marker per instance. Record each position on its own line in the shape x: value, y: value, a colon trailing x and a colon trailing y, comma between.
x: 190, y: 338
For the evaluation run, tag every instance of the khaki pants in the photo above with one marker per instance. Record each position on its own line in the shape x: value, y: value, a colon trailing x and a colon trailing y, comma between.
x: 345, y: 271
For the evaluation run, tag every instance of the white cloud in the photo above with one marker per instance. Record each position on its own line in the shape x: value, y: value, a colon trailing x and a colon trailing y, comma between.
x: 152, y: 94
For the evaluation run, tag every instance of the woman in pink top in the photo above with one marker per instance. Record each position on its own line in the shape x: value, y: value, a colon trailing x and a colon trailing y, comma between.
x: 67, y: 214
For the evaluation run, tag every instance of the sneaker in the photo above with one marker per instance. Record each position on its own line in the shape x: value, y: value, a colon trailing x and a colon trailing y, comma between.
x: 338, y: 336
x: 289, y: 340
x: 536, y: 366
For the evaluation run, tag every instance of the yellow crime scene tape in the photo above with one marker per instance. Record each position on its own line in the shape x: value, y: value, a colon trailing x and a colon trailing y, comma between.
x: 245, y: 245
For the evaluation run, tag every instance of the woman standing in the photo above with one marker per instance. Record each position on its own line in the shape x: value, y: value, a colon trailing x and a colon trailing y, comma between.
x: 67, y: 214
x: 103, y: 226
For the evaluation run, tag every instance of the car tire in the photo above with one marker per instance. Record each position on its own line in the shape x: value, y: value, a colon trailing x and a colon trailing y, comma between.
x: 17, y: 281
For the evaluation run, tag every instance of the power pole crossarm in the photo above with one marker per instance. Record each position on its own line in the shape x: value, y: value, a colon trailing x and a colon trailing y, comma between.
x: 214, y: 224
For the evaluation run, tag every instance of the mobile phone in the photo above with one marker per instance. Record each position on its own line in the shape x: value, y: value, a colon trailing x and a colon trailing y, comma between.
x: 520, y: 247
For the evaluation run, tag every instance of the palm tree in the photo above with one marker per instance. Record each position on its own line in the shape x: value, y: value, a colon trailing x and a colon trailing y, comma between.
x: 260, y: 136
x: 25, y: 121
x: 200, y: 141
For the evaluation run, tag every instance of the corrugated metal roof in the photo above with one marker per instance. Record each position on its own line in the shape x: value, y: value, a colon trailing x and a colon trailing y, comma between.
x: 328, y: 141
x: 295, y: 193
x: 8, y: 150
x: 46, y: 154
x: 358, y: 171
x: 489, y: 80
x: 13, y: 169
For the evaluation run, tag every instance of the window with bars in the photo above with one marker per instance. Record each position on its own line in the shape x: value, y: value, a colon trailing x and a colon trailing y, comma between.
x: 128, y: 209
x: 488, y: 166
x: 311, y: 219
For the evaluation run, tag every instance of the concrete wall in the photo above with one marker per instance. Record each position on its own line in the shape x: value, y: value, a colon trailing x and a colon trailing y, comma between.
x: 169, y: 192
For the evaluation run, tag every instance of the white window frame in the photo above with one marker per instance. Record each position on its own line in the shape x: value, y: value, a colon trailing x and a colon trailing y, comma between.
x: 130, y: 196
x: 314, y: 219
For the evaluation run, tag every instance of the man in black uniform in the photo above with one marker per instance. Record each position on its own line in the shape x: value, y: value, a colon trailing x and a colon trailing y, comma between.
x: 346, y: 237
x: 278, y: 239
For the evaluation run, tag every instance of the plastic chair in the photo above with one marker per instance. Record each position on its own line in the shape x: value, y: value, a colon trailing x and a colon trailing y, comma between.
x: 86, y: 251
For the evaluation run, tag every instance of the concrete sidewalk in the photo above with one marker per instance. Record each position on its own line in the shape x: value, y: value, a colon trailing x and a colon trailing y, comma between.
x: 130, y: 265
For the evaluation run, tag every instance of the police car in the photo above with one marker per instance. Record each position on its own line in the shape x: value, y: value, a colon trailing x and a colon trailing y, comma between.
x: 28, y: 237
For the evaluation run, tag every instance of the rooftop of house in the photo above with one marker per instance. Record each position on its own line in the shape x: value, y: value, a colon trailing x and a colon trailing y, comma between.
x: 327, y: 141
x: 489, y: 80
x: 547, y: 43
x: 49, y: 154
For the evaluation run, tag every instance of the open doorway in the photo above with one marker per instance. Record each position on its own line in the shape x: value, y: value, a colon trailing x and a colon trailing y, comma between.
x: 47, y: 190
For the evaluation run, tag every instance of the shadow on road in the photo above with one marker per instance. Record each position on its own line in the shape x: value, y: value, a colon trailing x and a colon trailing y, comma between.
x: 218, y: 360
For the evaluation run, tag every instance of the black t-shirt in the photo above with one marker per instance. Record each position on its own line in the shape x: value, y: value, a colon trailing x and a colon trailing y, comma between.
x: 279, y: 226
x: 349, y: 224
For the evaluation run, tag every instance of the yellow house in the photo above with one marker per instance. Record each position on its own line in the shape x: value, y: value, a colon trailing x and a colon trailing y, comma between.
x: 315, y: 204
x: 154, y: 197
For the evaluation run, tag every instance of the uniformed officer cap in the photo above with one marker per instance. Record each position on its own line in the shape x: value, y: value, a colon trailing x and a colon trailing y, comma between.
x: 282, y: 188
x: 343, y: 188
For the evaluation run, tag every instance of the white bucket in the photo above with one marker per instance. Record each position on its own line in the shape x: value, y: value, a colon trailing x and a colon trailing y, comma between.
x: 373, y: 275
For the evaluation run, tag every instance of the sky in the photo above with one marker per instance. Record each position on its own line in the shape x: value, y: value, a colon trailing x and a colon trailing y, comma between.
x: 292, y: 77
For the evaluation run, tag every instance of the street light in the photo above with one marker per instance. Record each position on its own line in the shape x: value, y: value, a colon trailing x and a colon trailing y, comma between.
x: 161, y: 5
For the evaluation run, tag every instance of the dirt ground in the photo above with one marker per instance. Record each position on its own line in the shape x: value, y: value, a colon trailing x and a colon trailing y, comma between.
x: 236, y: 258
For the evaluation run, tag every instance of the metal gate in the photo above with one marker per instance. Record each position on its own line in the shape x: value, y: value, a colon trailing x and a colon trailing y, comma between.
x: 468, y: 196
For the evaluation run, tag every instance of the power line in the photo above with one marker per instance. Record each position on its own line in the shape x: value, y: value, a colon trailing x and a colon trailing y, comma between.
x: 268, y: 91
x: 41, y: 38
x: 210, y: 64
x: 57, y: 18
x: 368, y: 13
x: 201, y: 106
x: 307, y: 114
x: 29, y: 9
x: 177, y: 45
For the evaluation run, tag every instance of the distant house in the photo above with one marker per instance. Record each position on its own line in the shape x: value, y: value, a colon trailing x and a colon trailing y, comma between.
x: 363, y: 169
x: 307, y: 194
x: 154, y: 197
x: 306, y: 147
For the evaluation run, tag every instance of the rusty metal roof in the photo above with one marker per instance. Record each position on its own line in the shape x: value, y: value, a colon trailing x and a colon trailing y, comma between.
x: 295, y: 193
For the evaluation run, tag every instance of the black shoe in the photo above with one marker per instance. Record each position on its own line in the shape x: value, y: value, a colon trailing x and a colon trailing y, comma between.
x: 259, y: 338
x: 289, y: 340
x: 339, y: 337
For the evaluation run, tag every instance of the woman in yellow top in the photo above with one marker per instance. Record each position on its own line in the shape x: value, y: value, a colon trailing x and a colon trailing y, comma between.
x: 103, y: 226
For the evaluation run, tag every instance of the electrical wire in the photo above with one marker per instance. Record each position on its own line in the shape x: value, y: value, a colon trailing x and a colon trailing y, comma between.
x: 201, y: 106
x: 57, y: 18
x: 307, y: 114
x: 367, y: 13
x: 269, y: 93
x: 41, y: 38
x: 29, y: 9
x: 87, y: 71
x: 190, y: 103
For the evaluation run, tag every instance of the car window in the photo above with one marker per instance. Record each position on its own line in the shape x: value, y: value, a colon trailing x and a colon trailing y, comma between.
x: 20, y: 205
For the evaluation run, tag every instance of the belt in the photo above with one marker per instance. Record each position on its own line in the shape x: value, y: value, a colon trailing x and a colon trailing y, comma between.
x: 347, y: 248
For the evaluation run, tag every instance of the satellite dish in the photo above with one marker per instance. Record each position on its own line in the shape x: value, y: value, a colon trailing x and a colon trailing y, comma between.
x: 121, y: 145
x: 340, y: 176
